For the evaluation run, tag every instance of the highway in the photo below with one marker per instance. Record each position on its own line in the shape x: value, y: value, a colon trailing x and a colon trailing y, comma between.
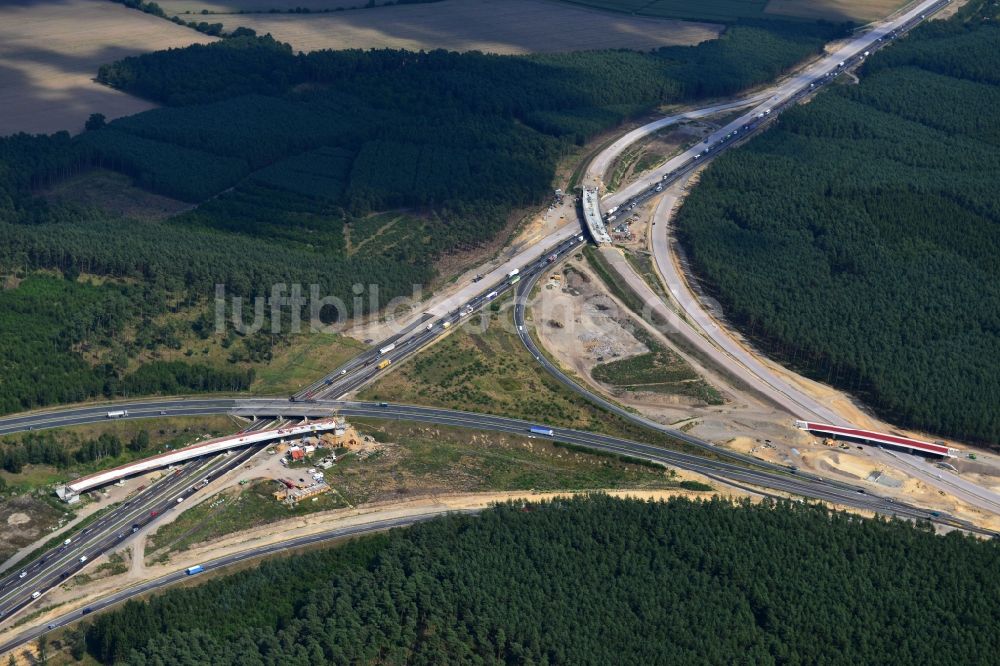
x: 762, y: 474
x: 252, y: 553
x: 787, y: 93
x: 115, y: 527
x: 699, y: 329
x: 110, y: 531
x: 363, y: 368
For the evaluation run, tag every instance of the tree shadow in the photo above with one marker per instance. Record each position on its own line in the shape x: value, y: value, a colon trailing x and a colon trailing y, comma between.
x: 50, y: 51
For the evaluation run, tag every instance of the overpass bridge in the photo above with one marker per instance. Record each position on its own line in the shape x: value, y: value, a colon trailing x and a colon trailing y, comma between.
x: 72, y: 490
x: 592, y: 217
x: 879, y: 438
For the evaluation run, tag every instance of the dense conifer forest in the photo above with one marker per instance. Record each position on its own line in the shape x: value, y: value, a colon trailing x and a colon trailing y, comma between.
x: 590, y: 581
x: 287, y: 153
x: 858, y: 239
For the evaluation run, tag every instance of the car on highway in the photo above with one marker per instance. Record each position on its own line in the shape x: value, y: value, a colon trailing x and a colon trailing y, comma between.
x: 86, y: 610
x: 83, y: 558
x: 23, y: 574
x: 36, y: 594
x: 67, y: 542
x: 154, y: 514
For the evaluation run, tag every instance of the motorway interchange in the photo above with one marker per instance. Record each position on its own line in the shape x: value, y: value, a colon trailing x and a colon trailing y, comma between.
x: 24, y: 584
x: 27, y: 583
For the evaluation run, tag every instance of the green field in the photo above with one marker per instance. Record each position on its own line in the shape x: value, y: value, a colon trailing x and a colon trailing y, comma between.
x: 306, y: 358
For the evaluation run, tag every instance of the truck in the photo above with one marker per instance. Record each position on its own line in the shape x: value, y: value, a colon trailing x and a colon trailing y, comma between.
x: 490, y: 295
x: 514, y: 272
x: 118, y: 414
x: 538, y: 430
x: 196, y: 569
x: 446, y: 324
x: 387, y: 348
x: 384, y: 364
x: 515, y: 279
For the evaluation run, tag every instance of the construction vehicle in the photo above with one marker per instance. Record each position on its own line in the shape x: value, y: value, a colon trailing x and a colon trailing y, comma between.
x: 384, y: 364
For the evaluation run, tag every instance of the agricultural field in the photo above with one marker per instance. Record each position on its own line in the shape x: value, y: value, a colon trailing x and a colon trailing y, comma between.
x: 861, y: 11
x: 728, y: 11
x: 182, y: 7
x: 510, y: 27
x: 50, y: 52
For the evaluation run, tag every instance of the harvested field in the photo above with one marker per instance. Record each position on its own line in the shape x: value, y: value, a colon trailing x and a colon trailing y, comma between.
x: 732, y: 10
x: 50, y: 51
x: 835, y: 10
x: 181, y: 7
x: 510, y: 27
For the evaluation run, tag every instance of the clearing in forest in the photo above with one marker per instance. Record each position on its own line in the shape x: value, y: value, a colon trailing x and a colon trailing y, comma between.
x: 510, y: 27
x: 50, y: 52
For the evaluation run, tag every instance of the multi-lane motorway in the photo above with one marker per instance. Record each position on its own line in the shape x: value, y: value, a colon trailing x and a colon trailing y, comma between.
x: 117, y: 526
x: 758, y: 474
x: 363, y: 368
x: 25, y: 584
x: 252, y: 553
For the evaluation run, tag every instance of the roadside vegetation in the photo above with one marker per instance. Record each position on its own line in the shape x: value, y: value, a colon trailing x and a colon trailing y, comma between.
x: 660, y: 370
x: 401, y: 461
x: 421, y: 460
x: 578, y: 580
x: 26, y: 517
x: 240, y: 508
x: 483, y: 367
x: 857, y: 240
x: 33, y: 460
x: 289, y: 163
